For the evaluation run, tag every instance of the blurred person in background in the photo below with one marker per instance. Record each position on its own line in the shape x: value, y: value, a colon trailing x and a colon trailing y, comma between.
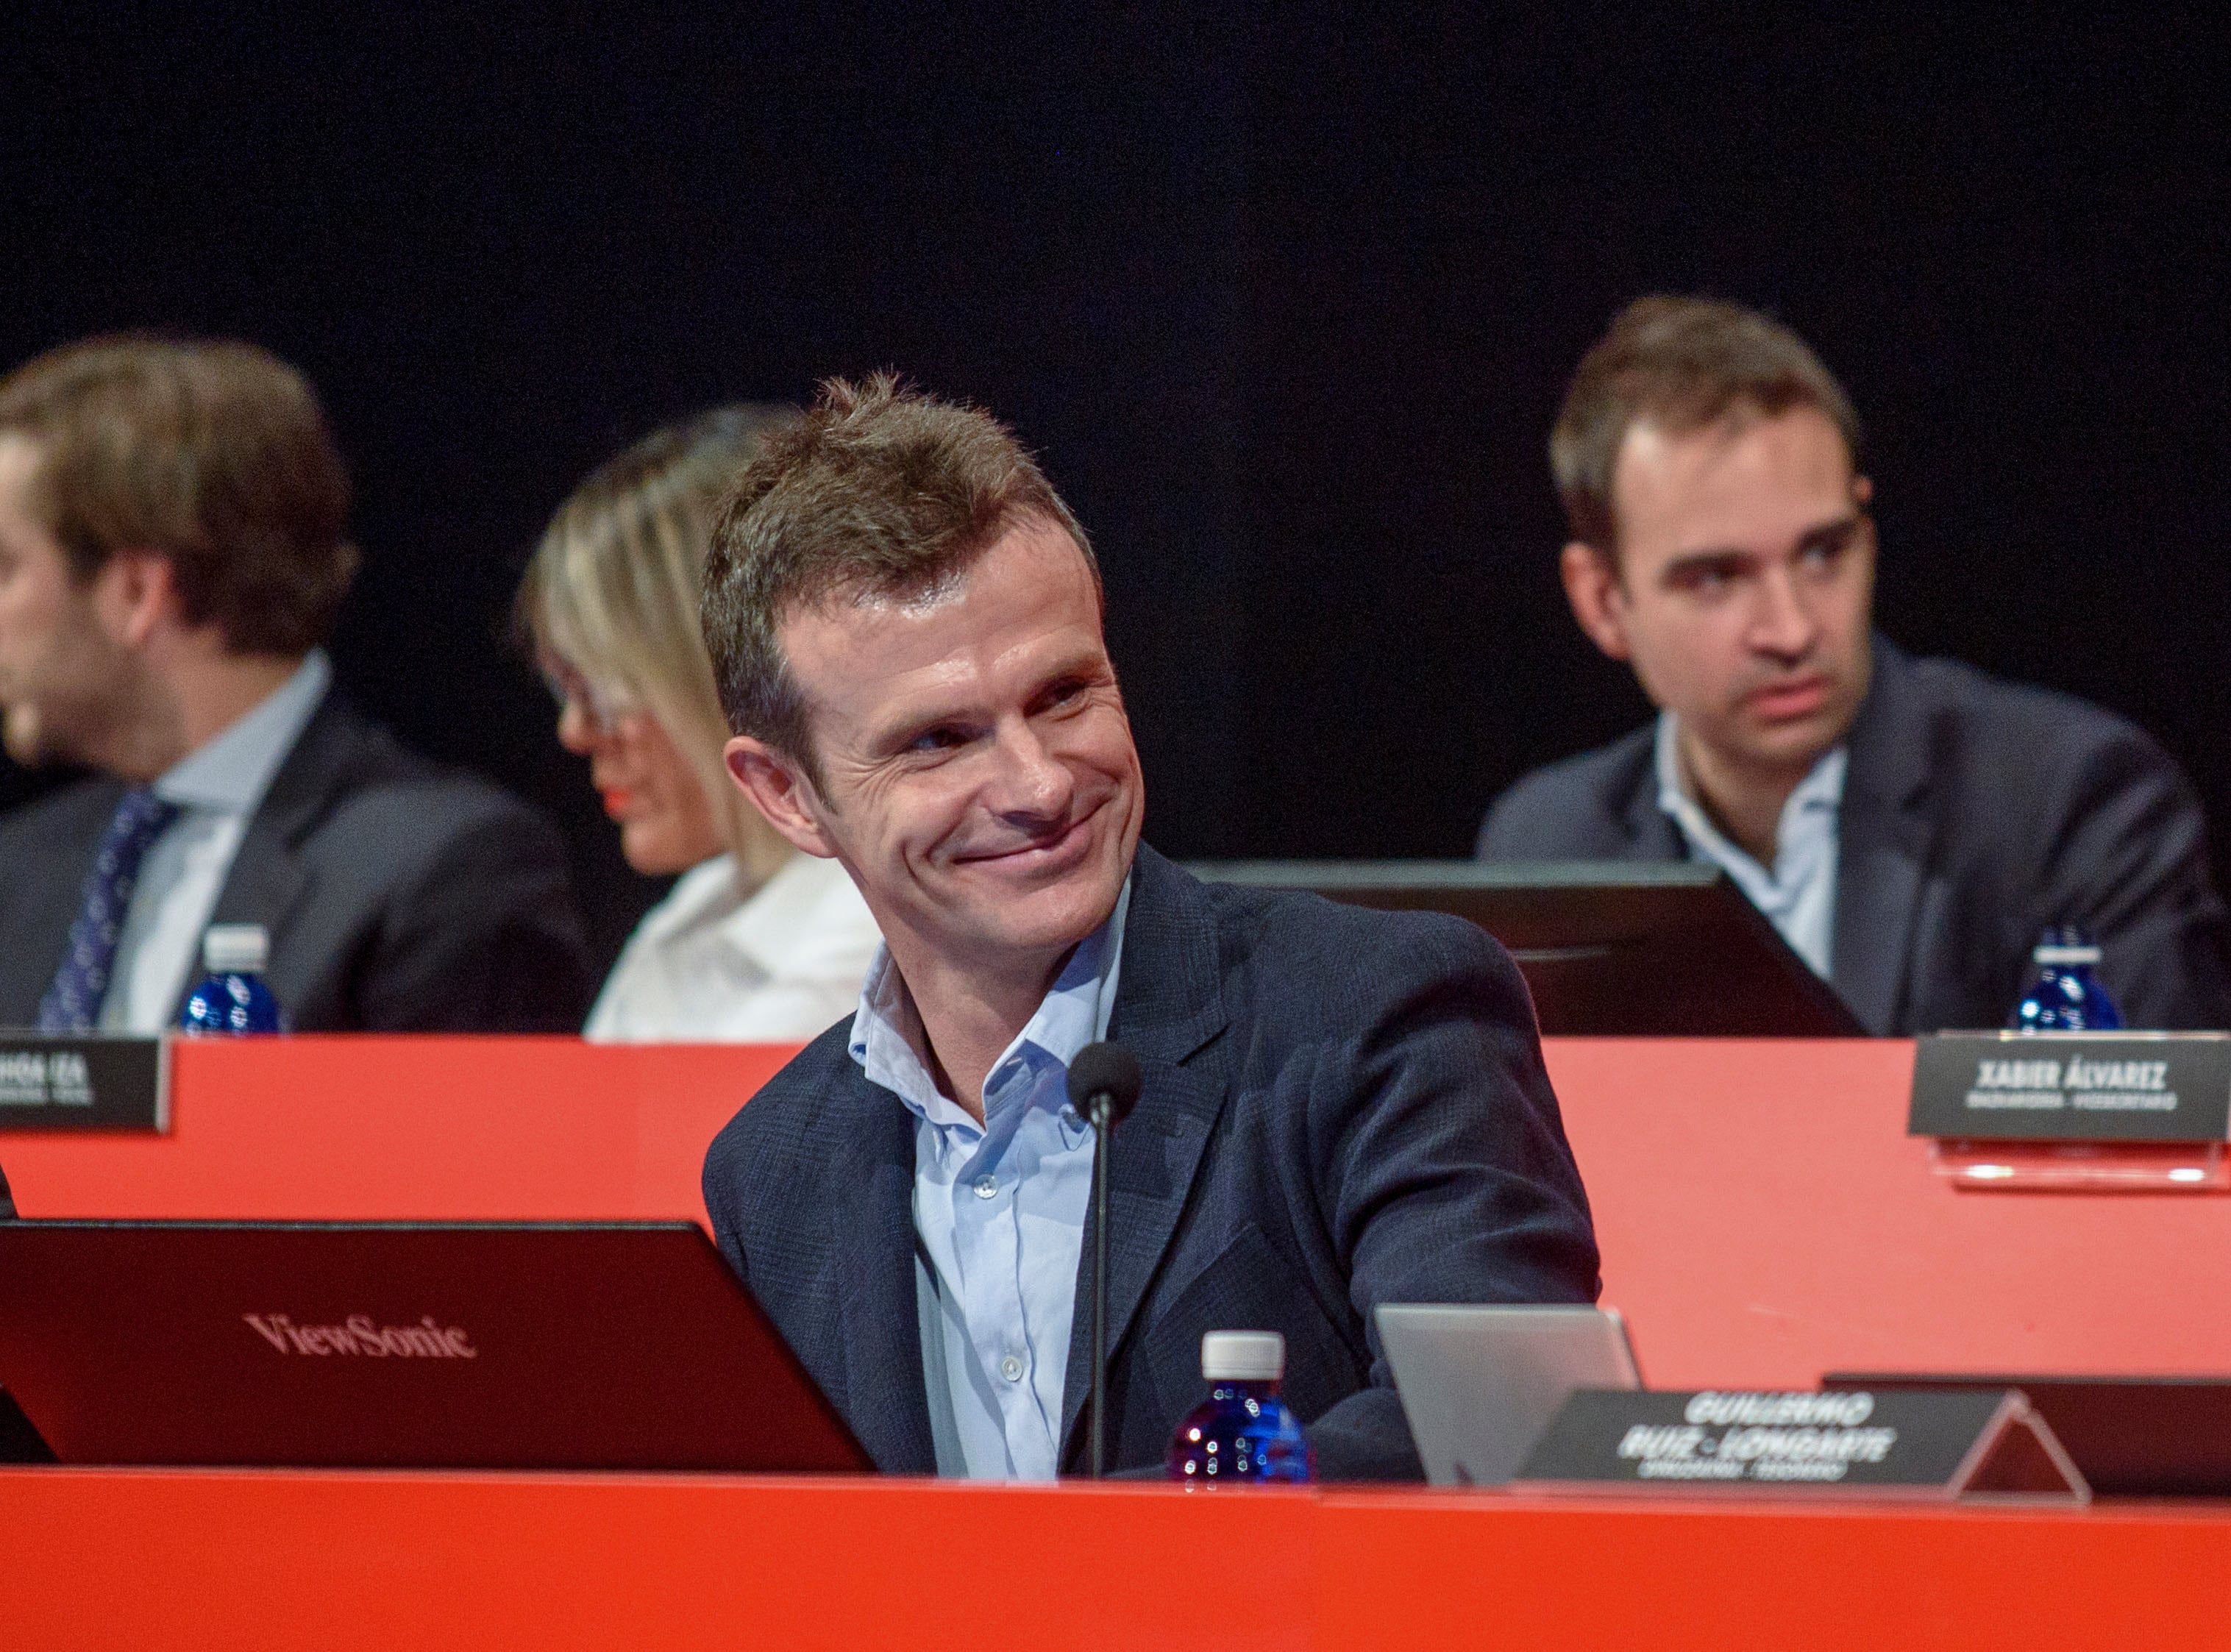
x: 1909, y: 826
x: 756, y: 942
x: 173, y: 549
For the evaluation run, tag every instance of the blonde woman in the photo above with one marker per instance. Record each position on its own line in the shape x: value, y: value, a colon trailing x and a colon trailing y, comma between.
x: 756, y: 942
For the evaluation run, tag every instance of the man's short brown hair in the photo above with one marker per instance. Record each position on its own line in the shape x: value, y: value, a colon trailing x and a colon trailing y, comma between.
x: 1679, y: 364
x: 880, y: 492
x: 214, y: 454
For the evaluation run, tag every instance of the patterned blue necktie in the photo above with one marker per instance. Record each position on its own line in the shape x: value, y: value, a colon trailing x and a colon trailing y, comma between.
x: 73, y: 1003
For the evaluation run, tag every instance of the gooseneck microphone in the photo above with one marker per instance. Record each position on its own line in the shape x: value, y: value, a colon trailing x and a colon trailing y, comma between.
x: 1103, y: 1086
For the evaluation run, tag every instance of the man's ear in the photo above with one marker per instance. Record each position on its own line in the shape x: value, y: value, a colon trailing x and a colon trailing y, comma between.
x: 778, y: 788
x: 132, y: 594
x: 1592, y: 586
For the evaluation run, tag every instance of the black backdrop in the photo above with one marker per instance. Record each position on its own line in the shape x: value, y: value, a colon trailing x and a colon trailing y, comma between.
x: 1285, y: 298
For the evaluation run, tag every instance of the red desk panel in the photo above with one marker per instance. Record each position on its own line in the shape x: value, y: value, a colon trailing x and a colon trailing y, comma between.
x: 1762, y: 1216
x: 334, y: 1128
x: 340, y: 1562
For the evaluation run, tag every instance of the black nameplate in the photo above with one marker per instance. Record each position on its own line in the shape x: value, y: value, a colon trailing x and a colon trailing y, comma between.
x: 84, y: 1083
x: 1913, y: 1443
x: 2073, y: 1087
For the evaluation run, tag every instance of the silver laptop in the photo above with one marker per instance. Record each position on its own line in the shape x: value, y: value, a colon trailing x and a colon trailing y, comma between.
x: 1479, y: 1384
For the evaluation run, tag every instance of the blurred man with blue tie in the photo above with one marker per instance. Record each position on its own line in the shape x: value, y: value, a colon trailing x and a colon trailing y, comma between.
x: 172, y: 553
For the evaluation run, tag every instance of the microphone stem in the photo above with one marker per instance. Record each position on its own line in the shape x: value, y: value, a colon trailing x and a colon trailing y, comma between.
x: 1100, y: 1287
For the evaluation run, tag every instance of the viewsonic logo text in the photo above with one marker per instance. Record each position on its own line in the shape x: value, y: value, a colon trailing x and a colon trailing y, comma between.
x: 360, y: 1334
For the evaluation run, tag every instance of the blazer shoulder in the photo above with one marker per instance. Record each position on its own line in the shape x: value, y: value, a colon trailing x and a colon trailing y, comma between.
x: 362, y: 800
x: 1573, y: 808
x: 46, y: 846
x: 783, y: 1115
x: 2020, y: 730
x: 432, y: 807
x: 75, y: 813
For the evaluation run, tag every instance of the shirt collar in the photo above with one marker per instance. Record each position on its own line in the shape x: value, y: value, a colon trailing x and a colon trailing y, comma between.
x: 1820, y: 791
x: 763, y: 927
x: 230, y: 773
x: 888, y: 1042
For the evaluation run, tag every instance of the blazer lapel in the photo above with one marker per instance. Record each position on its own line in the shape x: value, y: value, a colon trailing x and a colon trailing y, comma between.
x: 872, y: 1193
x: 1651, y: 832
x: 1884, y: 835
x: 1168, y: 1006
x: 267, y: 878
x: 266, y: 882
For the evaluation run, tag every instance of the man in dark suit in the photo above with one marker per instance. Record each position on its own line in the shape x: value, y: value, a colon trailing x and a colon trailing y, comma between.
x: 1340, y: 1108
x: 1910, y: 826
x: 172, y: 555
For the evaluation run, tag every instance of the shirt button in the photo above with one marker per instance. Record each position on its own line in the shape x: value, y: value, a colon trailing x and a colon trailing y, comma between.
x: 1011, y: 1369
x: 986, y: 1185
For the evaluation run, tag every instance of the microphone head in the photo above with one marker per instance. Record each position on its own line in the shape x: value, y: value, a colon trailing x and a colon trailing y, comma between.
x: 1105, y: 1069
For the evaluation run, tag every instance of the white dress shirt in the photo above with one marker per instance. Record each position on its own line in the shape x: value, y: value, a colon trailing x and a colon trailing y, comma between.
x: 1798, y: 893
x: 217, y: 786
x: 999, y: 1212
x: 706, y: 965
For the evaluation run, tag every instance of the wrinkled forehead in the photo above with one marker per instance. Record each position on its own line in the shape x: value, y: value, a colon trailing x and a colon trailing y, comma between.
x: 1747, y: 477
x: 21, y: 455
x: 24, y: 503
x: 1027, y: 601
x: 910, y: 598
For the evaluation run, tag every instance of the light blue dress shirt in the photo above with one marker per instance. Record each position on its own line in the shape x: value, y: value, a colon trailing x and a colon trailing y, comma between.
x: 1798, y: 893
x: 998, y: 1211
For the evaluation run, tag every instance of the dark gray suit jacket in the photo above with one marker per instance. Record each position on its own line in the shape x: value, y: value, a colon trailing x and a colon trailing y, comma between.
x: 1341, y: 1108
x: 1975, y: 813
x: 398, y: 896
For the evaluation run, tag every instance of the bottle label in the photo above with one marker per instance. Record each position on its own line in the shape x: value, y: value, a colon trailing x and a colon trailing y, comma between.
x: 2072, y: 1087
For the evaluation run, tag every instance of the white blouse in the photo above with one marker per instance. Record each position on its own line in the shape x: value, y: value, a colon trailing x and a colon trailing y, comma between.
x: 705, y: 967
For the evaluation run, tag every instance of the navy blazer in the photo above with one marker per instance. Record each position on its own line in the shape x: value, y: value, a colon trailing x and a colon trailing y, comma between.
x: 1975, y: 813
x: 398, y: 896
x: 1341, y: 1108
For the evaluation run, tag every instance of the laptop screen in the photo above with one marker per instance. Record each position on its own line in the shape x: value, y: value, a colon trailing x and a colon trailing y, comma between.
x: 512, y: 1346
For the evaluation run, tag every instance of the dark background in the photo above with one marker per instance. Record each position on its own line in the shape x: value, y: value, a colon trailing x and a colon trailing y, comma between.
x: 1284, y: 297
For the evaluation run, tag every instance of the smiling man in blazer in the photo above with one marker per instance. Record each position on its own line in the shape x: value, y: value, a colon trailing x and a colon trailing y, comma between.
x: 172, y: 552
x: 1909, y: 826
x: 1340, y: 1107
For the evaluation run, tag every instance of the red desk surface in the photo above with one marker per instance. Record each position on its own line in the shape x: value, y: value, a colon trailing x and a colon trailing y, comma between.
x: 155, y: 1560
x: 1763, y: 1217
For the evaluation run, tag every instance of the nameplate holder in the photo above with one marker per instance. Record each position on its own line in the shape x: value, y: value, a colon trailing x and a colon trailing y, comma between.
x: 1922, y: 1444
x: 69, y: 1082
x: 2075, y: 1110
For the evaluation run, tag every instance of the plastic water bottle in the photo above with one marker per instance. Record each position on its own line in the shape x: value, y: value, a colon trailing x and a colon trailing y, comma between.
x: 1242, y: 1433
x: 2066, y: 997
x: 232, y: 999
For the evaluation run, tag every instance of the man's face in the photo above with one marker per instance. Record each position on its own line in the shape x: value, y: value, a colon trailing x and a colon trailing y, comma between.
x: 1743, y: 586
x: 977, y: 774
x: 61, y: 674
